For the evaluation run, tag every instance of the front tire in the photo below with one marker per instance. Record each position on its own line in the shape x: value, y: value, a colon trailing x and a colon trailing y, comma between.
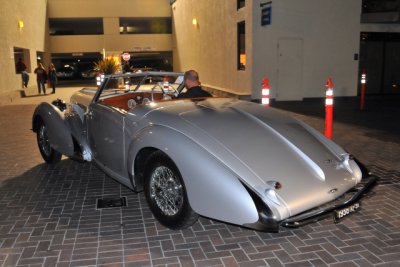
x: 49, y: 155
x: 166, y: 193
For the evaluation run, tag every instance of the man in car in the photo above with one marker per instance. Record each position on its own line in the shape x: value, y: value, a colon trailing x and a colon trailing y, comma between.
x: 192, y: 83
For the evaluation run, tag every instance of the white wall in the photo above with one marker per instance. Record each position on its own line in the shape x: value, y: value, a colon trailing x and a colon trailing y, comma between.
x: 327, y: 30
x: 330, y: 33
x: 211, y: 47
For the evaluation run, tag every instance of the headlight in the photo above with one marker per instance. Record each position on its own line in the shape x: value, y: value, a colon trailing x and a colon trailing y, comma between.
x: 355, y: 170
x: 354, y: 167
x: 364, y: 171
x: 270, y: 191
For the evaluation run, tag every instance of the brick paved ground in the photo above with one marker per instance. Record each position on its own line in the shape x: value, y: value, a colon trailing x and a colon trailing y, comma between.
x: 48, y: 215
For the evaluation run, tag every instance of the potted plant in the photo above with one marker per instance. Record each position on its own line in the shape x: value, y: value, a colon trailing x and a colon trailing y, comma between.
x: 106, y: 66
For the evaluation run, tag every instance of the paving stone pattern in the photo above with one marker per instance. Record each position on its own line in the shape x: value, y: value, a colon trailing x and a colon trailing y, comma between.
x: 48, y: 215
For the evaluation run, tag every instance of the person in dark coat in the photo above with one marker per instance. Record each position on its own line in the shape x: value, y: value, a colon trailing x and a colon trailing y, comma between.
x: 41, y: 77
x: 20, y: 66
x: 52, y: 75
x: 126, y: 67
x: 21, y: 69
x: 192, y: 83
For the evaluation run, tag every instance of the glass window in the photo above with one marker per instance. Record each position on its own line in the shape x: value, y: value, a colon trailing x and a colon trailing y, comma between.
x: 145, y: 25
x: 241, y: 43
x: 240, y: 4
x: 76, y: 26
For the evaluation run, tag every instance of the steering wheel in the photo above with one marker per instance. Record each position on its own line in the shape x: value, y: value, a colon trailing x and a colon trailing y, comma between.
x: 160, y: 85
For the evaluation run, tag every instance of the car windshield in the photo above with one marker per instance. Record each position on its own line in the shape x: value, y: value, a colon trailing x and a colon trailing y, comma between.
x: 166, y: 83
x: 126, y: 91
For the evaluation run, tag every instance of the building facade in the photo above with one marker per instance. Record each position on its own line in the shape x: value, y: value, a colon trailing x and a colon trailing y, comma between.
x: 297, y: 47
x: 233, y: 44
x: 84, y: 30
x: 75, y: 32
x: 23, y: 35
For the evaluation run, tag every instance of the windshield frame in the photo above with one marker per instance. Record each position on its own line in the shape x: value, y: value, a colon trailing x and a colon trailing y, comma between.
x: 144, y: 75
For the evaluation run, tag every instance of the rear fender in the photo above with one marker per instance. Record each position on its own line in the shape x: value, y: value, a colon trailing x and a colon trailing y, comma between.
x: 213, y: 190
x: 59, y: 132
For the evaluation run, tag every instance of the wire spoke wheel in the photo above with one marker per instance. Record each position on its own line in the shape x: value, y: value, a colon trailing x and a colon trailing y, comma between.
x: 166, y: 193
x: 166, y: 190
x: 48, y: 153
x: 43, y: 139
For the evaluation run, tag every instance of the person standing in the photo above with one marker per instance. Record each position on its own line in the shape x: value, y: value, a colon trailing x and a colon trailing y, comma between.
x: 52, y: 75
x: 126, y: 67
x: 41, y: 77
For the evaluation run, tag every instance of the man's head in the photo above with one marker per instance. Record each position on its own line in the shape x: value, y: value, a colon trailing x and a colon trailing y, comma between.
x: 191, y: 79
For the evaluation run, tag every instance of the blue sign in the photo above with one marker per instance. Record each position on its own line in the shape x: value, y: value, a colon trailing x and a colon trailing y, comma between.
x: 266, y: 15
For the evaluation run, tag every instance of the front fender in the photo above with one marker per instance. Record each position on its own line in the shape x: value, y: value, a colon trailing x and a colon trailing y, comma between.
x: 213, y: 190
x: 59, y: 133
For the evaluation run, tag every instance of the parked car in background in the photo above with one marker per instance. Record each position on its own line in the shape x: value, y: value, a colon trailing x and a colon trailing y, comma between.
x: 226, y: 159
x: 89, y: 74
x: 66, y: 72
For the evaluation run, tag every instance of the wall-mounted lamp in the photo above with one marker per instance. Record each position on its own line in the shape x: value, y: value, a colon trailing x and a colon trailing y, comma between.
x: 20, y: 24
x: 195, y: 22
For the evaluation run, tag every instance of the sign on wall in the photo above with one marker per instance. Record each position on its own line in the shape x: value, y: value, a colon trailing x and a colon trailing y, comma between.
x: 266, y: 13
x: 144, y: 48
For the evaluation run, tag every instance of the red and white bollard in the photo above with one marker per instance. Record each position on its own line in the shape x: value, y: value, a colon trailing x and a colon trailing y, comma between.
x: 265, y: 92
x: 165, y: 84
x: 329, y: 109
x: 363, y: 84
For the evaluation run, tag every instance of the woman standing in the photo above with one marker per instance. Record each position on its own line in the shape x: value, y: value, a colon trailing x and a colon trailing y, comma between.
x: 41, y: 77
x: 52, y: 77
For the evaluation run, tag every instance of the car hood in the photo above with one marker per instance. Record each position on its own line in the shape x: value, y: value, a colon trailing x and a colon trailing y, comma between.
x: 263, y: 146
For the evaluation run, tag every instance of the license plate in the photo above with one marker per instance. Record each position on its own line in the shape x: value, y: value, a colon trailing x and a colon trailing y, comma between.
x: 341, y: 213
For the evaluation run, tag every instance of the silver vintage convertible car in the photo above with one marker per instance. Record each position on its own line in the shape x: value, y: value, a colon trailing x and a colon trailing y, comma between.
x: 229, y: 160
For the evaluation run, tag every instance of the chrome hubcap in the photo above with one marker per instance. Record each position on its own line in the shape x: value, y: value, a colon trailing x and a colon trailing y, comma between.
x: 44, y: 140
x: 166, y: 190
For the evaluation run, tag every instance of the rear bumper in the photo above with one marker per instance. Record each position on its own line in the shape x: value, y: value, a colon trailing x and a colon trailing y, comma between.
x: 319, y: 213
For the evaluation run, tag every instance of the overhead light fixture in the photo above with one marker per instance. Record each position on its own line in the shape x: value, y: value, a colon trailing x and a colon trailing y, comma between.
x: 20, y: 24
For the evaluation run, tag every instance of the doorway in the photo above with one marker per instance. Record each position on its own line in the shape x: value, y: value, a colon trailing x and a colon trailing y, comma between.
x: 290, y: 70
x: 380, y: 59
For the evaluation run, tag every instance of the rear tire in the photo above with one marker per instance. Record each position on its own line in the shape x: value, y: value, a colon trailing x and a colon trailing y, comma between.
x: 166, y: 193
x: 49, y: 155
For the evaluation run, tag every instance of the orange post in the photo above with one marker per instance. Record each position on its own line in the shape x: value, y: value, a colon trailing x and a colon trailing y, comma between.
x: 363, y: 84
x: 265, y: 92
x: 329, y: 109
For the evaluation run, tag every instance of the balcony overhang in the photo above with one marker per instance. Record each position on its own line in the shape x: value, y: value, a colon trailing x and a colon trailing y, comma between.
x: 381, y: 17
